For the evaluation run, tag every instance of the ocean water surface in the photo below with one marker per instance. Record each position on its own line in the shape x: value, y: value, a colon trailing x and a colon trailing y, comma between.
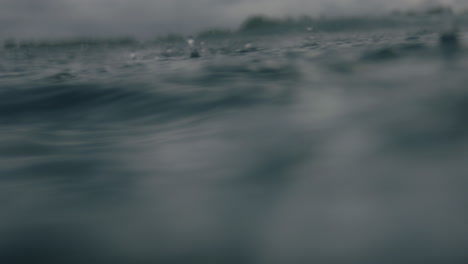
x: 315, y: 146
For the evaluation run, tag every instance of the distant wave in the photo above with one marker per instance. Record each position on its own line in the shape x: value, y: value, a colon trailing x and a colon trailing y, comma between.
x: 261, y: 25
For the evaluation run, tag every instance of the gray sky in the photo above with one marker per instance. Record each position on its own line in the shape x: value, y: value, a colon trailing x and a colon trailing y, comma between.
x: 144, y: 18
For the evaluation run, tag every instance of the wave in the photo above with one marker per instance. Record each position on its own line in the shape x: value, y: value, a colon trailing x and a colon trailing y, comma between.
x: 261, y: 25
x: 69, y: 43
x: 94, y: 104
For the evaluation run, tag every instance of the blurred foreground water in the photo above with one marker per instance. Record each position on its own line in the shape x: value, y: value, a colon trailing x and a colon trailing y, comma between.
x: 341, y: 147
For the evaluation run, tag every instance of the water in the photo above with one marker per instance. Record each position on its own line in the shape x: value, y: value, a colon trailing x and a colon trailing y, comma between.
x: 313, y: 147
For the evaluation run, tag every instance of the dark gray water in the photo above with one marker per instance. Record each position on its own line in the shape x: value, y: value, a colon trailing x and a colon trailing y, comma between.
x: 339, y: 147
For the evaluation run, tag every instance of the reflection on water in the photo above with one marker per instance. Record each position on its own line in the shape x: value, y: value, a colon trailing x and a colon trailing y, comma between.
x: 341, y: 148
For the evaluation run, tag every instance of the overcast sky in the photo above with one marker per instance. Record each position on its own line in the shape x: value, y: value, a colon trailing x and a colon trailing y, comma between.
x: 144, y: 18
